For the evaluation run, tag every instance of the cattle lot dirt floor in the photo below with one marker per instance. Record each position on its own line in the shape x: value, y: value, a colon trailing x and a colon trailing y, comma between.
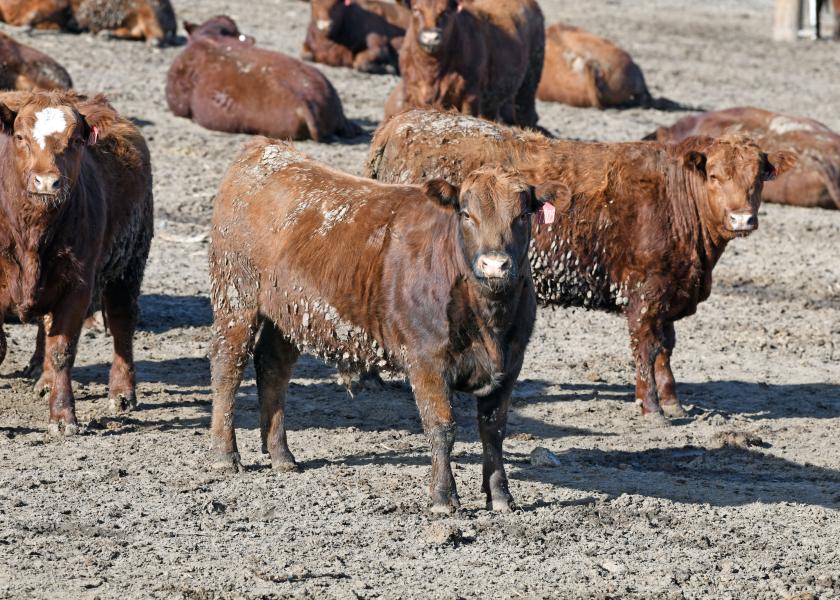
x: 738, y: 500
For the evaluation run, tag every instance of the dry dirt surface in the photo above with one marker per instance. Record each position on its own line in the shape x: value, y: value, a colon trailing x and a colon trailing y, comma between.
x: 738, y: 501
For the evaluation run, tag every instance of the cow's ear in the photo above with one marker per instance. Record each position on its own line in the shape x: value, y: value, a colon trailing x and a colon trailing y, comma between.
x: 696, y: 161
x: 7, y: 119
x: 442, y: 191
x: 99, y: 118
x: 189, y: 28
x: 554, y: 192
x: 774, y: 164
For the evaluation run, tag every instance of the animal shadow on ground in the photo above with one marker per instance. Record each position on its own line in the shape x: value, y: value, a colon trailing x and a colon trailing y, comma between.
x: 162, y: 312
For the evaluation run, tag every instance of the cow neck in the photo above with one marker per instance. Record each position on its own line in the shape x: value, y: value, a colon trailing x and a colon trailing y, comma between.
x: 693, y: 216
x: 493, y: 310
x: 31, y: 230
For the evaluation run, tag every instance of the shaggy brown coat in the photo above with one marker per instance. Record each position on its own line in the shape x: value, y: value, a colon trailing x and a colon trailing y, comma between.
x: 226, y: 84
x: 363, y: 34
x: 815, y: 179
x: 24, y: 68
x: 480, y: 57
x: 415, y: 279
x: 583, y: 69
x: 75, y: 234
x: 640, y: 233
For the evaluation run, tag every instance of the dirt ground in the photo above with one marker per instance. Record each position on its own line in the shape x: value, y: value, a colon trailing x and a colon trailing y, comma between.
x: 129, y: 509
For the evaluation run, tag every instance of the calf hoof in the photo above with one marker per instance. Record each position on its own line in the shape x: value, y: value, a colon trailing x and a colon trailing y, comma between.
x: 226, y: 462
x: 62, y: 429
x: 33, y: 370
x: 121, y: 403
x: 674, y: 410
x: 42, y: 386
x: 502, y: 505
x: 284, y: 463
x: 655, y: 419
x: 445, y: 504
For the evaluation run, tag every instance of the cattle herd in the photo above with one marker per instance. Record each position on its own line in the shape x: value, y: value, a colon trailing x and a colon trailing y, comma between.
x: 433, y: 264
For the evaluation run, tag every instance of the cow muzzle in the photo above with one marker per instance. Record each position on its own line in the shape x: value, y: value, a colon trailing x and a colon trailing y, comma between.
x: 493, y: 267
x: 742, y: 222
x: 324, y: 25
x: 45, y: 184
x: 430, y: 39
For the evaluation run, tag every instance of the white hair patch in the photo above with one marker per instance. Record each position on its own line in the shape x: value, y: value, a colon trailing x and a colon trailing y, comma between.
x: 47, y: 122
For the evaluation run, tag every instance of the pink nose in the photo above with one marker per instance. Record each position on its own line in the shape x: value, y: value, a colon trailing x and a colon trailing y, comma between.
x: 493, y: 266
x: 46, y: 184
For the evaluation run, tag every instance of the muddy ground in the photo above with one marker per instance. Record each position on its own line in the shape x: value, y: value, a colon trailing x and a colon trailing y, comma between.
x: 129, y: 509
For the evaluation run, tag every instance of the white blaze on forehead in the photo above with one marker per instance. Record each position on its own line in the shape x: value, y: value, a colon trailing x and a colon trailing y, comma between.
x: 48, y: 122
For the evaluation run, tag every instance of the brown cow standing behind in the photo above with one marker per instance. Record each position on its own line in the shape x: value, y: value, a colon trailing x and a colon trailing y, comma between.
x: 24, y: 68
x: 639, y: 235
x: 76, y: 198
x: 815, y: 179
x: 150, y: 20
x: 363, y: 34
x: 225, y: 83
x: 422, y: 280
x: 480, y: 57
x: 583, y: 69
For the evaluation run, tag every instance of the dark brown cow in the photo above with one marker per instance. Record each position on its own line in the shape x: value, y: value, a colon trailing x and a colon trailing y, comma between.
x: 363, y: 34
x: 421, y: 280
x: 639, y: 235
x: 815, y: 179
x: 480, y: 57
x: 24, y: 68
x: 150, y: 20
x: 75, y: 233
x: 583, y: 69
x: 225, y: 83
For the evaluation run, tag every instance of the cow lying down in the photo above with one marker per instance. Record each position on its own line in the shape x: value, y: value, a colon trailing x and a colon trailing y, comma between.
x: 24, y: 68
x: 224, y: 82
x: 426, y: 280
x: 639, y: 234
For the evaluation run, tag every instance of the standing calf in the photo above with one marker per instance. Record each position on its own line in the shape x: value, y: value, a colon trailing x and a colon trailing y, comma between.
x: 640, y: 233
x: 480, y: 57
x: 77, y: 223
x: 422, y: 280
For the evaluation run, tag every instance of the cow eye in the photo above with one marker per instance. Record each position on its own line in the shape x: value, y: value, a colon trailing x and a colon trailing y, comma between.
x: 466, y: 216
x: 19, y: 137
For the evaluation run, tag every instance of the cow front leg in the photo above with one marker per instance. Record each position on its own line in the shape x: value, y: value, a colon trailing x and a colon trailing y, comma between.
x: 646, y: 343
x: 233, y: 335
x: 274, y: 359
x: 666, y: 386
x: 492, y: 425
x: 433, y: 398
x: 62, y: 339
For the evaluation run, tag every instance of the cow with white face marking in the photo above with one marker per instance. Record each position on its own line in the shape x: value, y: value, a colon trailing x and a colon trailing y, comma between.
x: 76, y: 195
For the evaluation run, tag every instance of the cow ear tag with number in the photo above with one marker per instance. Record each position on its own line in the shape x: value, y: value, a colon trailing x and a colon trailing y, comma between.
x: 545, y: 216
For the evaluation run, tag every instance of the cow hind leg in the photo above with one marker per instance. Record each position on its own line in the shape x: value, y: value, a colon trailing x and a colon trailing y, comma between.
x: 121, y: 311
x: 666, y: 386
x: 274, y: 359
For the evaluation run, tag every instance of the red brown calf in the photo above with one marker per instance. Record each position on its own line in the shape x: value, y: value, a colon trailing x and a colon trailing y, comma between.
x: 480, y: 57
x: 363, y: 34
x: 76, y: 198
x: 639, y: 235
x: 150, y: 20
x: 429, y: 282
x: 227, y: 84
x: 24, y: 68
x: 814, y: 181
x: 583, y: 69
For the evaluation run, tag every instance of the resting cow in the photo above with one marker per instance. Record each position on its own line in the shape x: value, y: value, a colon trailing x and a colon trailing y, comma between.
x: 77, y: 205
x: 815, y: 179
x: 480, y: 57
x: 24, y: 68
x: 363, y: 34
x: 583, y: 69
x: 226, y: 83
x: 150, y: 20
x: 639, y: 235
x: 417, y: 279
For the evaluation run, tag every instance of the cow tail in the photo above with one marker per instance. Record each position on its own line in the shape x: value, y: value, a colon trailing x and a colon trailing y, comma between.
x: 306, y: 113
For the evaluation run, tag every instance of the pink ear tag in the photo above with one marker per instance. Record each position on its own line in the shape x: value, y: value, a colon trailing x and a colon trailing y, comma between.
x: 460, y: 6
x: 348, y: 2
x: 94, y: 135
x: 546, y: 214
